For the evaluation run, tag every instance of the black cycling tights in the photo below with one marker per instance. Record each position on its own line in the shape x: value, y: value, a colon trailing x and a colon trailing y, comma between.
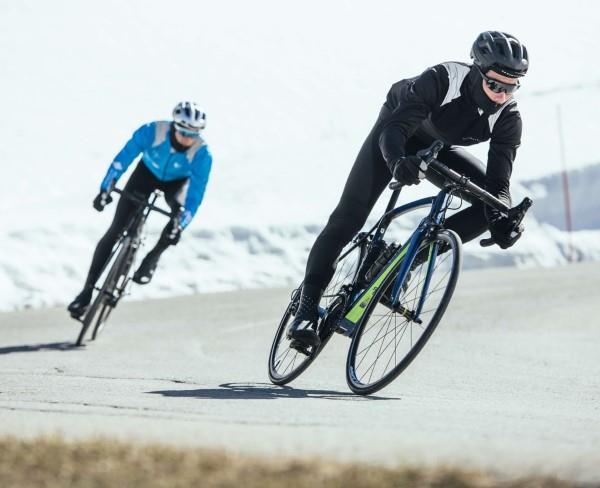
x: 142, y: 182
x: 368, y: 178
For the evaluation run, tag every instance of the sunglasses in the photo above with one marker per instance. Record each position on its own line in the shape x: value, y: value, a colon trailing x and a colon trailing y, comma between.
x: 499, y: 87
x: 186, y: 132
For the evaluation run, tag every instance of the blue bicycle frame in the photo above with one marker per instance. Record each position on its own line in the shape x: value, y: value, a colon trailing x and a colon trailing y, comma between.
x: 406, y: 254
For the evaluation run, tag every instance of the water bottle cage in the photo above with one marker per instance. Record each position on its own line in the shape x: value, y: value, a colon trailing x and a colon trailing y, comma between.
x: 383, y: 258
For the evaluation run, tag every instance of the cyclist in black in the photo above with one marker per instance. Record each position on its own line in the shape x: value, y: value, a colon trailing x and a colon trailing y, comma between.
x: 175, y: 159
x: 458, y: 103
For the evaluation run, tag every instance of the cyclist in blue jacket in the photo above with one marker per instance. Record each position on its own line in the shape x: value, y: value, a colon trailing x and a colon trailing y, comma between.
x: 175, y: 159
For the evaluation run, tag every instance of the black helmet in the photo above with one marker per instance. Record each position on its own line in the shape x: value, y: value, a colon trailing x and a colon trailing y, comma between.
x: 500, y: 52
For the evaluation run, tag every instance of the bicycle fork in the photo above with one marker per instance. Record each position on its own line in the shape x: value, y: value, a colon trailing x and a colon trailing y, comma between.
x: 400, y: 285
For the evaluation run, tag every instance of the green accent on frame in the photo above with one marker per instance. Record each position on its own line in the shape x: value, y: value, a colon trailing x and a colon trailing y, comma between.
x: 358, y: 310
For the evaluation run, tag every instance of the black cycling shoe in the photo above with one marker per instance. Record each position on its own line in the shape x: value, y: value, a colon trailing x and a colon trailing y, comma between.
x: 302, y: 331
x: 82, y: 301
x: 145, y: 272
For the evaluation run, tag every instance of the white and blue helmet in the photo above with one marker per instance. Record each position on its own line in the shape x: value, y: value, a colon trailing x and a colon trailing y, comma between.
x: 189, y: 117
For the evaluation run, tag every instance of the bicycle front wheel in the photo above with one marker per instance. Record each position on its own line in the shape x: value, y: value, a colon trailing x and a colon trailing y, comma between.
x: 105, y: 310
x: 99, y: 311
x: 90, y: 315
x: 122, y: 267
x: 388, y: 339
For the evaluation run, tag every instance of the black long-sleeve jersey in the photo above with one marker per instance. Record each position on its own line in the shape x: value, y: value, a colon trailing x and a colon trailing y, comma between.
x: 447, y: 102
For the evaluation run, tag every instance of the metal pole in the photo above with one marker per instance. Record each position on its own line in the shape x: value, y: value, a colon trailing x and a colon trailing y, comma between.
x: 565, y: 182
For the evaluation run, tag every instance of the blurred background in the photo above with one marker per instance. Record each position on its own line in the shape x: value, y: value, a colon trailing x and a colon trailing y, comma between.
x: 291, y: 90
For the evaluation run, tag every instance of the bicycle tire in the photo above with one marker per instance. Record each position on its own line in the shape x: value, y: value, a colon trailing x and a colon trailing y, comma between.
x: 88, y: 318
x: 109, y: 305
x: 101, y: 319
x: 100, y: 301
x: 356, y: 356
x: 345, y: 273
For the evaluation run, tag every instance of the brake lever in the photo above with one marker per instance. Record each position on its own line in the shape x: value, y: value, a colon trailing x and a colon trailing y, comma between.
x: 516, y: 214
x: 431, y: 152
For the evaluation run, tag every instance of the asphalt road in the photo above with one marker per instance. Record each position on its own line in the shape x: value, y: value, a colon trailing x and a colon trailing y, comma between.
x: 510, y: 381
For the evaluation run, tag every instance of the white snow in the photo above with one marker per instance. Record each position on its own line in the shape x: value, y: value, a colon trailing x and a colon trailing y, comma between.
x: 291, y: 90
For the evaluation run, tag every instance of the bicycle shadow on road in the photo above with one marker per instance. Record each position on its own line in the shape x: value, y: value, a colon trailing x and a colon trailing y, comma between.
x: 52, y: 346
x: 263, y: 391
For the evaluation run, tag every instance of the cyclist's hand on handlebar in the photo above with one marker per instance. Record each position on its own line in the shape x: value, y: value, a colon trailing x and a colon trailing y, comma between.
x: 410, y: 170
x: 185, y: 217
x: 178, y: 223
x: 506, y: 229
x: 102, y: 200
x: 504, y: 232
x: 174, y: 233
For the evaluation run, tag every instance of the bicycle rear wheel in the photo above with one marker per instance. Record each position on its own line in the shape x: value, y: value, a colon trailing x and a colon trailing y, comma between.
x: 387, y: 340
x: 285, y: 362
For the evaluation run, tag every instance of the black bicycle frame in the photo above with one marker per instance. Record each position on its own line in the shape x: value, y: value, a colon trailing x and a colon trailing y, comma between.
x: 145, y: 207
x: 139, y: 217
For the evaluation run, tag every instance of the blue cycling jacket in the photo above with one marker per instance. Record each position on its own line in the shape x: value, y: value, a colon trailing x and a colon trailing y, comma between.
x: 153, y: 142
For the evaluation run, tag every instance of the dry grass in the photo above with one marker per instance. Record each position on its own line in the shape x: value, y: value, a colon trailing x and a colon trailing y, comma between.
x: 53, y: 463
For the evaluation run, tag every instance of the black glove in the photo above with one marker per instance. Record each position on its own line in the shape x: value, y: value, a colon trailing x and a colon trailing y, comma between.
x: 102, y: 200
x: 174, y: 231
x: 504, y: 232
x: 410, y: 170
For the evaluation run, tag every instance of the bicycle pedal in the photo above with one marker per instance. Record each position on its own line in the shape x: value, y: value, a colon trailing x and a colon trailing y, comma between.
x: 309, y: 337
x: 300, y: 347
x: 79, y: 318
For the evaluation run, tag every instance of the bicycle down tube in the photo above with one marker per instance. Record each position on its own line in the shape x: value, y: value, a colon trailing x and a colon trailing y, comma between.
x: 360, y: 303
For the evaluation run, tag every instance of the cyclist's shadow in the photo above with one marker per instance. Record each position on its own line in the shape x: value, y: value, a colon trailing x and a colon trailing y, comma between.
x: 53, y: 346
x: 262, y: 391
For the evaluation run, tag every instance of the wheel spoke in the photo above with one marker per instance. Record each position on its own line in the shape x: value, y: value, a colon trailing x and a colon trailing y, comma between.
x: 294, y: 360
x: 279, y: 358
x: 403, y: 325
x: 343, y: 275
x: 367, y: 348
x: 437, y: 265
x: 376, y: 322
x: 377, y: 338
x: 380, y: 353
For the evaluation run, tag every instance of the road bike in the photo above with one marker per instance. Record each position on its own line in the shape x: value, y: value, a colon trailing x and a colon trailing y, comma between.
x: 388, y: 298
x: 118, y: 277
